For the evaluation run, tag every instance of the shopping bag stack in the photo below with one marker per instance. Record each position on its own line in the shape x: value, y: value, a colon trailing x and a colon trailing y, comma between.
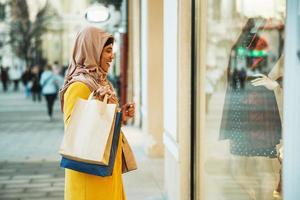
x: 91, y: 138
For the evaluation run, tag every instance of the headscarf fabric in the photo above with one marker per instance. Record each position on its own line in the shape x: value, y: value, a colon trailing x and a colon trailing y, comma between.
x: 85, y: 61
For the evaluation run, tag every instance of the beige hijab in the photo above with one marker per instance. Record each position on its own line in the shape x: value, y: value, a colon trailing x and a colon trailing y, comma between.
x: 85, y: 61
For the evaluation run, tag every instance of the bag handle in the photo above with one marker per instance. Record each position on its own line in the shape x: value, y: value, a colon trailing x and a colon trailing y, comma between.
x: 91, y: 96
x: 102, y: 105
x: 105, y: 100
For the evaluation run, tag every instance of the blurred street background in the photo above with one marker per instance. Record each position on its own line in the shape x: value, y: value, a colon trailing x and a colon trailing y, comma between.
x: 29, y: 162
x: 37, y: 36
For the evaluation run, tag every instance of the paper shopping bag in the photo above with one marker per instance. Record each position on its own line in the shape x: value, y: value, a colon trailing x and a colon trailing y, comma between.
x: 95, y: 169
x: 128, y: 159
x: 88, y: 136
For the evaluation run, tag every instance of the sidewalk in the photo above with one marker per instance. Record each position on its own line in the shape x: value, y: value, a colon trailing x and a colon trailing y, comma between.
x: 29, y: 162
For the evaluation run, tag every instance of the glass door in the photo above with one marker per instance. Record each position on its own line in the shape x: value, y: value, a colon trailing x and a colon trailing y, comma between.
x: 239, y: 99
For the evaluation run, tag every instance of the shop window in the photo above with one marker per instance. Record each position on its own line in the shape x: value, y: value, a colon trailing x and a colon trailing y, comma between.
x: 239, y: 141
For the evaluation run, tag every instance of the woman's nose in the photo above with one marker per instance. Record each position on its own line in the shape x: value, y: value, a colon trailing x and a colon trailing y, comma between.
x: 112, y: 56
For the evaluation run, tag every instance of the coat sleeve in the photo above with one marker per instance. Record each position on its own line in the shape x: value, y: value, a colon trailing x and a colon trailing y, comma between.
x: 76, y: 90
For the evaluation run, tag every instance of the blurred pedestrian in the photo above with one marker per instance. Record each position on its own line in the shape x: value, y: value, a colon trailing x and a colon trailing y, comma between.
x: 35, y: 85
x: 50, y: 83
x: 57, y: 68
x: 27, y: 82
x: 15, y: 76
x: 64, y: 70
x: 4, y: 77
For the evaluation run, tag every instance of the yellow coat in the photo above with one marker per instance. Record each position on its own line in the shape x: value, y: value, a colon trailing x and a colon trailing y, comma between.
x: 81, y: 186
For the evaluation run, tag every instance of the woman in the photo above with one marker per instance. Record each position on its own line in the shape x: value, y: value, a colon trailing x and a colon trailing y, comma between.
x: 87, y: 72
x: 50, y: 83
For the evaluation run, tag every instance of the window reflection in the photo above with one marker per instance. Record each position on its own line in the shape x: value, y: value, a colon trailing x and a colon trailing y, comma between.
x: 250, y: 117
x: 243, y: 131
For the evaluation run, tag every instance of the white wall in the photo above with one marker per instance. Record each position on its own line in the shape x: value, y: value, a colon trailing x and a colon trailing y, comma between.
x: 152, y: 75
x: 170, y: 100
x: 170, y: 68
x: 144, y: 57
x: 291, y: 136
x: 177, y: 97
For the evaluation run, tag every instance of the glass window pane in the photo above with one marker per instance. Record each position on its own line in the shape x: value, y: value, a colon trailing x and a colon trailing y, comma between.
x: 241, y: 141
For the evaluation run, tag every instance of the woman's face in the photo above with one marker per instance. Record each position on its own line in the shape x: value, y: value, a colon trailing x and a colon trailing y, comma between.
x: 106, y: 57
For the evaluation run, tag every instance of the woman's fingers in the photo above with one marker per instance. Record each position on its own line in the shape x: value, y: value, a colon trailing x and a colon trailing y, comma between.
x: 129, y: 110
x: 106, y: 91
x: 130, y: 107
x: 113, y: 99
x: 100, y: 89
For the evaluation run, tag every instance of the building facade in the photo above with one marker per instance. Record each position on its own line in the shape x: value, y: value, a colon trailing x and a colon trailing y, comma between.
x: 222, y: 68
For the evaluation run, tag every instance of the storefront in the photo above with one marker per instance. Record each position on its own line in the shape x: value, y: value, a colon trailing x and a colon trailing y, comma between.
x: 221, y: 68
x: 244, y: 65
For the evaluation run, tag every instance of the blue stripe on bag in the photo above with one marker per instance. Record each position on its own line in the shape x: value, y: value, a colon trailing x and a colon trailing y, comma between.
x: 95, y: 169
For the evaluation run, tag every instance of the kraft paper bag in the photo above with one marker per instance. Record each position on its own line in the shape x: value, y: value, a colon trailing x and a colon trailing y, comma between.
x: 95, y: 169
x: 128, y: 159
x: 88, y: 136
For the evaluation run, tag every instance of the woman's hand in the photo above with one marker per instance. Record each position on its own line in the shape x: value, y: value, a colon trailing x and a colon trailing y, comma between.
x: 128, y: 111
x: 106, y: 90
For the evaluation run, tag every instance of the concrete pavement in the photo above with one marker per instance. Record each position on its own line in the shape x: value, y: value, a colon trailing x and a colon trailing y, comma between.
x: 29, y: 162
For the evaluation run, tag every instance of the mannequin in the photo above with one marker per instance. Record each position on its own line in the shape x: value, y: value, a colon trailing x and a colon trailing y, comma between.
x: 251, y: 115
x: 250, y: 119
